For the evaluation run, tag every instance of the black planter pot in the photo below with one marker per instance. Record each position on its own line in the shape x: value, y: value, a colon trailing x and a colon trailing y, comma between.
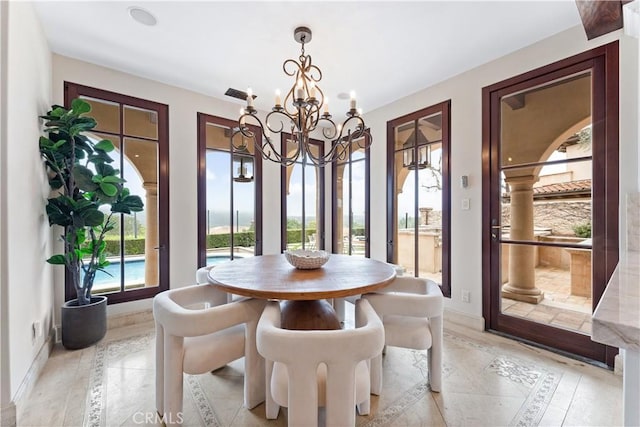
x: 83, y: 325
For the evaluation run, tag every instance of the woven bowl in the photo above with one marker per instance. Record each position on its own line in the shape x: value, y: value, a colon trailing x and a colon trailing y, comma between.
x: 306, y: 260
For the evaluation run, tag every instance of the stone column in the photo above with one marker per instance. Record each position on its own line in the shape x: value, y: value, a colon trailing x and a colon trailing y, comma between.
x: 521, y: 285
x: 152, y: 255
x: 424, y: 215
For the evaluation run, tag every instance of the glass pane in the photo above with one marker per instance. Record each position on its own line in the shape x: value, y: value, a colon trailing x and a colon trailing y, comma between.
x: 315, y: 149
x: 404, y: 135
x: 218, y: 223
x: 430, y: 129
x: 239, y: 140
x: 140, y: 122
x: 342, y: 208
x: 294, y: 206
x: 244, y: 220
x: 141, y: 231
x: 358, y: 192
x: 534, y: 122
x: 107, y: 114
x: 110, y: 280
x: 357, y: 152
x: 218, y: 137
x: 311, y: 206
x: 564, y: 277
x: 405, y: 218
x: 430, y: 216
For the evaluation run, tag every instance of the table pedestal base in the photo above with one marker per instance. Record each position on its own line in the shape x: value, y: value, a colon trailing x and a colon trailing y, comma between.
x: 307, y: 315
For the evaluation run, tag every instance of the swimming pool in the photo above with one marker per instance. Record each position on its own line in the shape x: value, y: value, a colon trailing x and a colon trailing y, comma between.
x: 134, y: 272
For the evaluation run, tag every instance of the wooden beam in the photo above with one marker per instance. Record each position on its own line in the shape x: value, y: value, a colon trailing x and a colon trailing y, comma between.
x: 600, y: 17
x: 516, y: 101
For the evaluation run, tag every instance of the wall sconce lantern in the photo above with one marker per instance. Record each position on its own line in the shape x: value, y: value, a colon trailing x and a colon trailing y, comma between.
x: 242, y: 164
x: 423, y: 152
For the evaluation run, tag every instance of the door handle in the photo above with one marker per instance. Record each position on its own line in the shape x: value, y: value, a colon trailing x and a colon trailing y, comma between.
x: 494, y: 233
x: 159, y: 247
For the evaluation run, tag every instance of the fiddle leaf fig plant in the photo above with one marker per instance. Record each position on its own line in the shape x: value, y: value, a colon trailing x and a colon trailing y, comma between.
x: 88, y: 192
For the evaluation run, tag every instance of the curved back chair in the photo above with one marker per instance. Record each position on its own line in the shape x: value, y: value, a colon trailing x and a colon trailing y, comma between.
x: 310, y: 368
x: 194, y: 335
x: 339, y: 304
x: 411, y: 310
x: 202, y: 278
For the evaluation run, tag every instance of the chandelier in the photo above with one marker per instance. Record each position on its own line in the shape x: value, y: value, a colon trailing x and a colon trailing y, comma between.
x: 304, y: 114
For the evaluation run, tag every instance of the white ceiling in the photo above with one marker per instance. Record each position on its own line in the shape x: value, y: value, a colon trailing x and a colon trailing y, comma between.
x: 382, y: 50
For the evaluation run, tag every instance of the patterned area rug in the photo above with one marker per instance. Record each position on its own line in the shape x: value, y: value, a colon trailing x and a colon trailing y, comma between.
x: 536, y: 384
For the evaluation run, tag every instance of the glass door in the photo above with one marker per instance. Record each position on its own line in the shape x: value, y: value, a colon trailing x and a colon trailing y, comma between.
x: 548, y: 232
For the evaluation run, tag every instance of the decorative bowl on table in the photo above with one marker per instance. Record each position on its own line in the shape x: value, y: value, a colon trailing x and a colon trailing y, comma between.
x: 306, y: 260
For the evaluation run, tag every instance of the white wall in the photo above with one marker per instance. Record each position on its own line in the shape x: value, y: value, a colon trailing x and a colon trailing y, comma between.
x: 25, y: 190
x: 5, y: 383
x: 465, y: 92
x: 183, y: 108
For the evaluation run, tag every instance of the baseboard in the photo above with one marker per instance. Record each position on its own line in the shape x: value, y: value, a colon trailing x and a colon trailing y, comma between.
x: 29, y: 380
x: 129, y: 319
x: 463, y: 319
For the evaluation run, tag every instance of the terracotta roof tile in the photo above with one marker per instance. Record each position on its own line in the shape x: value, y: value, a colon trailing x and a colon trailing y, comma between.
x: 581, y: 185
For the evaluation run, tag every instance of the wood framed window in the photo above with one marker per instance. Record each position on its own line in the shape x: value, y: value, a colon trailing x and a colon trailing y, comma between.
x: 303, y: 200
x: 138, y: 248
x: 350, y: 208
x: 419, y: 194
x: 229, y: 192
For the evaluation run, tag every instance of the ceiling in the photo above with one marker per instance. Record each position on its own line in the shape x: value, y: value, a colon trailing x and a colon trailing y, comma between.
x: 381, y: 50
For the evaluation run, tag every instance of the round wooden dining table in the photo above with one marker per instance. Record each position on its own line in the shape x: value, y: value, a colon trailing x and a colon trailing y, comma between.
x: 305, y: 291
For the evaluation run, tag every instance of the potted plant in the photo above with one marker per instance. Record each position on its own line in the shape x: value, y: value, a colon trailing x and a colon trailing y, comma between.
x: 88, y: 191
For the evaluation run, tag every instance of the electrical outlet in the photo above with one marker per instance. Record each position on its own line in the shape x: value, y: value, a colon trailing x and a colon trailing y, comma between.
x: 465, y: 204
x: 466, y: 296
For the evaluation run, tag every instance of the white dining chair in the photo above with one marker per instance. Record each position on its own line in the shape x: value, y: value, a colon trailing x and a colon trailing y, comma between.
x: 340, y: 304
x: 194, y: 336
x: 314, y: 368
x: 218, y: 296
x: 411, y: 310
x: 202, y: 278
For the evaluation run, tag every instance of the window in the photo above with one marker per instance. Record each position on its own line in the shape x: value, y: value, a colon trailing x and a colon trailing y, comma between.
x: 229, y: 192
x: 418, y: 228
x: 138, y: 247
x: 350, y: 214
x: 302, y: 200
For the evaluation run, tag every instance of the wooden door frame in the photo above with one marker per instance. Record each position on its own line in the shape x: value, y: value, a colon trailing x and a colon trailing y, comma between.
x: 605, y: 157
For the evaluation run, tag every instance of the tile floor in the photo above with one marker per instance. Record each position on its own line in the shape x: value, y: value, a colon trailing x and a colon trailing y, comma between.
x: 488, y: 381
x: 558, y: 308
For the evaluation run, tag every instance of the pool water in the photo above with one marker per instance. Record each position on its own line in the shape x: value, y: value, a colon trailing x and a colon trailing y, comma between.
x: 134, y: 272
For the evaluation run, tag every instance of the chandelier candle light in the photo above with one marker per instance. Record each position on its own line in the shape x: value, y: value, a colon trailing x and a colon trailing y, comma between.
x: 300, y: 114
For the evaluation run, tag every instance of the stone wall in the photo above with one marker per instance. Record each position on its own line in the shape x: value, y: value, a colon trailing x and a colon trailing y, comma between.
x: 558, y: 215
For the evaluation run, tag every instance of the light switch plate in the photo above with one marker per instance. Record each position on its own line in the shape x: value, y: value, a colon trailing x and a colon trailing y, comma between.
x: 465, y: 205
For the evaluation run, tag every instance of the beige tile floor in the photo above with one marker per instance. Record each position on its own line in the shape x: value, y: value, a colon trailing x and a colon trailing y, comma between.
x: 558, y: 308
x: 488, y: 381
